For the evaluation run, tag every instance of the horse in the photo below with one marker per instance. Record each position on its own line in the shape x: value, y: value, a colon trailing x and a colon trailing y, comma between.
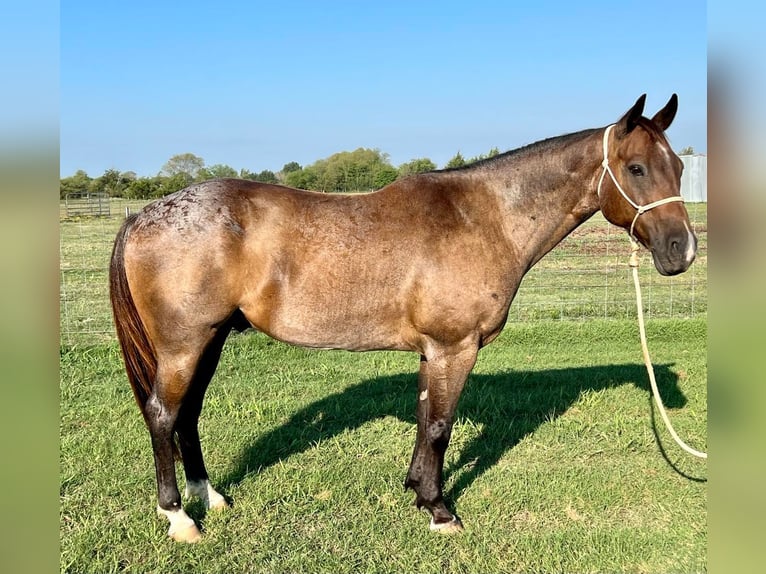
x: 428, y: 264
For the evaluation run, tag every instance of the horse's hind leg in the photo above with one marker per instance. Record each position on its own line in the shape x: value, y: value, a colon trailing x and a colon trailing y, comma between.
x: 176, y: 371
x: 197, y: 483
x: 442, y: 376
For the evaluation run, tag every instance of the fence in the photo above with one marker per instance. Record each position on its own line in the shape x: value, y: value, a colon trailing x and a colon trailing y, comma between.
x: 87, y: 205
x: 585, y: 276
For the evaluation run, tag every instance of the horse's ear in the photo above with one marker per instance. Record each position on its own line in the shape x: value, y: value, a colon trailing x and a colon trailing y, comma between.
x: 665, y: 116
x: 631, y: 117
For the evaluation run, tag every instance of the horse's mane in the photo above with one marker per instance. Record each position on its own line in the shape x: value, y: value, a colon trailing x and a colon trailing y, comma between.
x: 545, y: 145
x: 549, y: 145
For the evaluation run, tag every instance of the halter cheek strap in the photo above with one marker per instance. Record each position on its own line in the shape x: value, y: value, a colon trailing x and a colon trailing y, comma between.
x: 639, y: 208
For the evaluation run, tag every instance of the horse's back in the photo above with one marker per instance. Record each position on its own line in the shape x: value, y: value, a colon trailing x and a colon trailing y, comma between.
x: 285, y: 257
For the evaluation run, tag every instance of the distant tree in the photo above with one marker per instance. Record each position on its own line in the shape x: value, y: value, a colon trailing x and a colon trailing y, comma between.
x: 187, y: 164
x: 168, y: 185
x: 457, y: 161
x: 214, y: 171
x: 419, y: 165
x: 110, y: 183
x: 304, y: 178
x: 77, y: 183
x: 384, y: 175
x: 266, y: 176
x: 491, y: 153
x: 348, y: 171
x: 688, y: 150
x: 291, y: 167
x: 144, y: 188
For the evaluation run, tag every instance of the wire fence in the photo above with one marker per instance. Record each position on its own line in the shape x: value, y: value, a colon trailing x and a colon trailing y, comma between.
x: 586, y: 276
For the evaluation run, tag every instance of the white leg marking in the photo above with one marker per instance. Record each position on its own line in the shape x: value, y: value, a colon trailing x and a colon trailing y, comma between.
x: 182, y: 527
x: 205, y: 492
x: 196, y: 488
x: 424, y: 395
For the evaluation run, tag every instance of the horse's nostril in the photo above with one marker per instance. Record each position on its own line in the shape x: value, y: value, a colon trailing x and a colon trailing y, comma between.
x: 674, y: 246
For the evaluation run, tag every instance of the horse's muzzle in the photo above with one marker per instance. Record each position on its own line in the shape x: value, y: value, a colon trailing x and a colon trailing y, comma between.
x: 675, y: 252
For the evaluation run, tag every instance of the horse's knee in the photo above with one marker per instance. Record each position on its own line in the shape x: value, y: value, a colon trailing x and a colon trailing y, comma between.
x: 438, y: 433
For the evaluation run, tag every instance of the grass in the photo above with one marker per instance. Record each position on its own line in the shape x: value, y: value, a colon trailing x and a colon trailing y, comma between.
x: 554, y: 464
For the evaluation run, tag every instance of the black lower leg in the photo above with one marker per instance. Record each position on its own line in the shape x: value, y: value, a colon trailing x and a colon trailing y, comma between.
x: 191, y: 451
x: 161, y: 424
x: 425, y: 472
x: 440, y: 383
x: 188, y: 417
x: 419, y: 455
x: 188, y: 437
x: 425, y: 475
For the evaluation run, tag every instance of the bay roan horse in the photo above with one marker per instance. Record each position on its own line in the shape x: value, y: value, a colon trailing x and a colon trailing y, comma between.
x: 428, y: 264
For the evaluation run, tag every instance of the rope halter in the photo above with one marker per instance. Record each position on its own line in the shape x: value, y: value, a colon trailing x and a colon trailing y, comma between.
x: 639, y: 208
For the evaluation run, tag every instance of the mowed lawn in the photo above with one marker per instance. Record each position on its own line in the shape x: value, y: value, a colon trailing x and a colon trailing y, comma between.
x: 554, y: 464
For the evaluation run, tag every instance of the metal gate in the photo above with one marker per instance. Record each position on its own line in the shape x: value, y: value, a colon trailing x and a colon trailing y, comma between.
x: 87, y: 205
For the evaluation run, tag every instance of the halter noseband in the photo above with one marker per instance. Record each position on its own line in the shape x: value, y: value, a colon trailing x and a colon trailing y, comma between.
x: 639, y: 208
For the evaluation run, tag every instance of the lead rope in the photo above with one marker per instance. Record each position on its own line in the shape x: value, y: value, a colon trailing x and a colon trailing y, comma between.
x: 633, y: 263
x: 647, y: 359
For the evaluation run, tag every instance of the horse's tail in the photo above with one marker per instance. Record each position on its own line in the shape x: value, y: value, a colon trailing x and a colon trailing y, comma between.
x: 137, y: 350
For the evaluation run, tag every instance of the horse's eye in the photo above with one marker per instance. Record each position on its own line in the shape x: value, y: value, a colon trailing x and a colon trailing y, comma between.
x: 636, y: 169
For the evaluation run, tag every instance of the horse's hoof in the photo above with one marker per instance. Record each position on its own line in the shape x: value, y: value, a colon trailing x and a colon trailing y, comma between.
x: 218, y: 504
x: 190, y: 534
x: 182, y: 528
x: 452, y: 527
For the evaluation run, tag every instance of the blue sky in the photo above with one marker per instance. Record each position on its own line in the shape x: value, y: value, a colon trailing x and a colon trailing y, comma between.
x: 258, y: 84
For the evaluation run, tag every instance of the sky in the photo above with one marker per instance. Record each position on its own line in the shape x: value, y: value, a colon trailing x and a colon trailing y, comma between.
x: 256, y: 85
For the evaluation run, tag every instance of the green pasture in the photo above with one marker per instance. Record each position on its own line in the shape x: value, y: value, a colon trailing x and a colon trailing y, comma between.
x: 558, y: 462
x: 555, y: 464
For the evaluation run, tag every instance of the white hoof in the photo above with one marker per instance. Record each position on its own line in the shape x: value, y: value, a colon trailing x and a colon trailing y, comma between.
x: 215, y: 500
x: 182, y: 527
x: 451, y: 527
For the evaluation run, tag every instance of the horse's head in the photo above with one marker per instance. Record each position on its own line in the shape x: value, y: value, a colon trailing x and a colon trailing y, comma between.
x: 639, y: 189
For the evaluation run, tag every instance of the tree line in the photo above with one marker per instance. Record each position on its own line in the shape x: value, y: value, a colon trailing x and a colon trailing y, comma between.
x: 348, y: 171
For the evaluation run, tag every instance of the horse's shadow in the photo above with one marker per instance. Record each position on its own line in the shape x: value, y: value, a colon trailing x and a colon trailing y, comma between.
x: 509, y: 406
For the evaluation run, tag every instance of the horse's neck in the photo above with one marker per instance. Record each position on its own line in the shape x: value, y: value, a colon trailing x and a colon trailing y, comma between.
x: 546, y: 195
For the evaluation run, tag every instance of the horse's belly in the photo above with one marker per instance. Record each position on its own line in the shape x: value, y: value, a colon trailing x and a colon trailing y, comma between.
x: 328, y: 331
x: 335, y: 322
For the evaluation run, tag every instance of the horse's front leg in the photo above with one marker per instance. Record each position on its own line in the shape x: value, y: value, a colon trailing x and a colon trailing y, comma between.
x: 440, y: 383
